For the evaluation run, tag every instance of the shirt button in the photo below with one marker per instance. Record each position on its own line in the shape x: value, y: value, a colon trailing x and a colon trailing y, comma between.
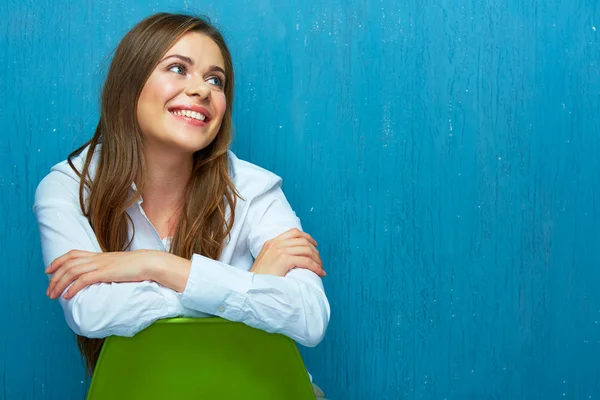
x: 222, y: 309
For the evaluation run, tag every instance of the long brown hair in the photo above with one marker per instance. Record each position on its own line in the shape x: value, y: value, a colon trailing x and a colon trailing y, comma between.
x: 202, y: 226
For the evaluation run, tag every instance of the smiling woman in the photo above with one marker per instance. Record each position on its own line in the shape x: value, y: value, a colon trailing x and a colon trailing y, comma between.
x: 167, y: 114
x: 154, y: 217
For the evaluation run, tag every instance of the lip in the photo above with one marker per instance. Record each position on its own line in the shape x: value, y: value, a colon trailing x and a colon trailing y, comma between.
x: 191, y: 121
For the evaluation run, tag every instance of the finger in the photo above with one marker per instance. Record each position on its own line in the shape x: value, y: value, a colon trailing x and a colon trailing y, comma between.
x: 65, y: 276
x: 72, y: 275
x: 305, y: 251
x: 296, y: 233
x: 82, y: 282
x: 303, y: 247
x: 64, y: 268
x: 307, y: 263
x: 57, y: 263
x: 301, y: 242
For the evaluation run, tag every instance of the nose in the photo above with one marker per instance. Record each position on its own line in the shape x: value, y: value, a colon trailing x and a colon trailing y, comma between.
x: 200, y: 89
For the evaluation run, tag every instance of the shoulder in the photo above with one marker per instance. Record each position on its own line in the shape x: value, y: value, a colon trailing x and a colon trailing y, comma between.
x: 267, y: 213
x: 249, y: 179
x: 62, y: 182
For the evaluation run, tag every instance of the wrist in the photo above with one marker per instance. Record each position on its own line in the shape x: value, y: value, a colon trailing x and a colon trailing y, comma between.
x: 156, y: 265
x: 170, y: 271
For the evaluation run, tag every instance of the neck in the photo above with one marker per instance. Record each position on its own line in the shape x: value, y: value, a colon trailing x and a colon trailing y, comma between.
x: 166, y: 179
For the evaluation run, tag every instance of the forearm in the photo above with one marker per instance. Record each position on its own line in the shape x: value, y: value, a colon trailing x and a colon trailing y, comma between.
x: 295, y: 305
x: 120, y: 309
x: 123, y: 305
x: 288, y: 306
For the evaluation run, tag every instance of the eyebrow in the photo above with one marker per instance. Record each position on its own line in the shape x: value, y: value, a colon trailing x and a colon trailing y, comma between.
x: 191, y: 62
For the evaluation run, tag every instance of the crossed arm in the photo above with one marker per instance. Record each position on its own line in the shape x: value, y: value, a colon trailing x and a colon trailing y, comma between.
x: 121, y: 293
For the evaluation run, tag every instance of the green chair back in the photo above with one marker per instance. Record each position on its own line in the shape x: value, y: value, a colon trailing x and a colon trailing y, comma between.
x: 200, y: 358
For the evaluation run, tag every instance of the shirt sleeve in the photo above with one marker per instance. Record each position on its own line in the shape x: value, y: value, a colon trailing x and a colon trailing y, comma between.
x: 102, y: 309
x: 294, y: 305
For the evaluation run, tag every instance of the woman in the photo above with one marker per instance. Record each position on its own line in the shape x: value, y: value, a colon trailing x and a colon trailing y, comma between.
x: 154, y: 217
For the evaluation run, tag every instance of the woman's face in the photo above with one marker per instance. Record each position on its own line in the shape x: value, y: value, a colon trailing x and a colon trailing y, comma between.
x: 182, y: 104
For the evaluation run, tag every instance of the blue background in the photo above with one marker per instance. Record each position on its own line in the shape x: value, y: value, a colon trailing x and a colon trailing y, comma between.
x: 445, y: 155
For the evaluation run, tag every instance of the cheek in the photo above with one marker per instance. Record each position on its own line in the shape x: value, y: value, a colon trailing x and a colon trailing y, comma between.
x: 157, y: 92
x: 220, y: 103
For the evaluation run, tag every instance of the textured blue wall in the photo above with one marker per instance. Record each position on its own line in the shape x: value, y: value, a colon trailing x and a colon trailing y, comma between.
x: 445, y: 154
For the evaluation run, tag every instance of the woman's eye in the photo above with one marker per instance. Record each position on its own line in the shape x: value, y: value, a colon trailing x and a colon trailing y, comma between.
x: 215, y: 80
x: 178, y: 69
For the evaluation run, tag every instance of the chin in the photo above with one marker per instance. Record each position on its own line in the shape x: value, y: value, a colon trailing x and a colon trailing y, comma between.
x: 192, y: 147
x: 185, y: 141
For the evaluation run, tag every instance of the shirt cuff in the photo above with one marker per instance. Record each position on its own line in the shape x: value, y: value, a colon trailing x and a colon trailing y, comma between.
x: 216, y: 288
x: 172, y: 300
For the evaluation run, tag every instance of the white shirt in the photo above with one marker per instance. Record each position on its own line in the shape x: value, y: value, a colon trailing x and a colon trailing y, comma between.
x: 294, y: 305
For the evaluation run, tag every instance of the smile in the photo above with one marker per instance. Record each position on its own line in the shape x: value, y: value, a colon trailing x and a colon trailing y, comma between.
x: 189, y: 114
x: 197, y: 117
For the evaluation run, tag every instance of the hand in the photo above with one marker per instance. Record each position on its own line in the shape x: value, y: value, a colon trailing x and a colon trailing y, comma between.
x: 293, y: 248
x: 84, y: 268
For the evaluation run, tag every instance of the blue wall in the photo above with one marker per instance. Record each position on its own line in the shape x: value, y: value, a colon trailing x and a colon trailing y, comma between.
x: 445, y: 154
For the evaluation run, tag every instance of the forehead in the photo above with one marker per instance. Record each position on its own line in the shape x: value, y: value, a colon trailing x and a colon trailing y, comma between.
x: 200, y: 48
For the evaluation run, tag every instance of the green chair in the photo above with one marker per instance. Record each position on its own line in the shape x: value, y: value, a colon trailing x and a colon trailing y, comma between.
x: 200, y: 358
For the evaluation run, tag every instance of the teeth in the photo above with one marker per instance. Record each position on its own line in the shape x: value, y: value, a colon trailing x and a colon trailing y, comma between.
x: 190, y: 114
